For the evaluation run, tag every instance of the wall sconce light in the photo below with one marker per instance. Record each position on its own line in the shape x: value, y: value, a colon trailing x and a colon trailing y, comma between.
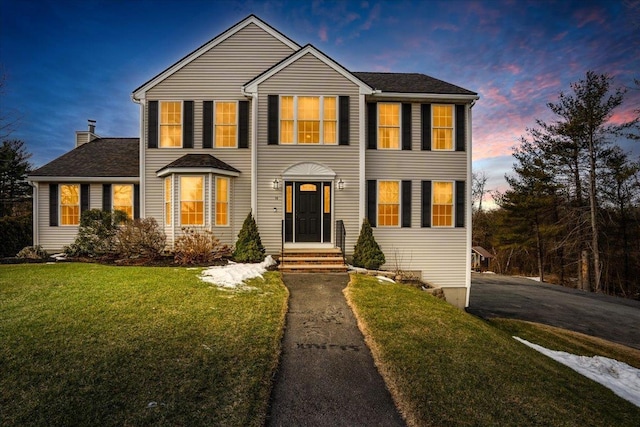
x: 340, y: 185
x: 275, y: 184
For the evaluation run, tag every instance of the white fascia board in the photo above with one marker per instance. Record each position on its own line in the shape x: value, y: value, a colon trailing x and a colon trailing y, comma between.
x: 84, y: 179
x: 426, y: 96
x: 252, y: 86
x: 215, y: 171
x: 138, y: 94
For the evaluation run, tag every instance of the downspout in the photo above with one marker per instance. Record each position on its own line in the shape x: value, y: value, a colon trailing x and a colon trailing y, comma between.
x: 34, y: 213
x: 254, y: 151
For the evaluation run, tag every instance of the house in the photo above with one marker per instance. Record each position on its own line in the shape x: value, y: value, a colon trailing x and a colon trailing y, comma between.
x: 253, y: 122
x: 480, y: 258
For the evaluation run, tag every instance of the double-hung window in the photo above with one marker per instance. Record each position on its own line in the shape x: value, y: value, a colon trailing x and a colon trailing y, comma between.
x: 171, y: 124
x: 388, y: 126
x: 167, y: 200
x: 123, y: 198
x: 222, y: 201
x: 308, y: 120
x: 388, y: 203
x: 70, y: 204
x: 443, y: 127
x: 192, y: 200
x: 442, y: 211
x: 226, y: 124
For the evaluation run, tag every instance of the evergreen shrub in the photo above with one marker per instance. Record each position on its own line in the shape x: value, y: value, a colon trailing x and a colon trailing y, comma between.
x: 367, y: 253
x: 249, y: 245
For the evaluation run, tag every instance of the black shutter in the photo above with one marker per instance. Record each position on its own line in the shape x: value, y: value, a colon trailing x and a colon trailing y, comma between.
x: 426, y: 203
x: 372, y: 125
x: 273, y: 118
x: 152, y: 124
x: 106, y: 197
x: 343, y: 123
x: 372, y: 203
x: 53, y: 205
x: 187, y: 124
x: 84, y: 198
x: 460, y: 197
x: 207, y: 124
x: 243, y: 124
x: 406, y: 126
x: 460, y: 128
x: 425, y: 115
x: 136, y: 201
x: 406, y: 203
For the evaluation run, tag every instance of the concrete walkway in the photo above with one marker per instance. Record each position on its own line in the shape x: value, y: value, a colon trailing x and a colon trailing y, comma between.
x: 326, y: 376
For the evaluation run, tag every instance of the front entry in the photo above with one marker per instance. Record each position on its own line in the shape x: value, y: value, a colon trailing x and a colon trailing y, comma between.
x: 307, y: 212
x: 308, y: 216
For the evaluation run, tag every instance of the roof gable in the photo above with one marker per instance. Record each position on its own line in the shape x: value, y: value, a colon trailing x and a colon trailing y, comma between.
x: 252, y: 85
x: 193, y: 162
x: 251, y: 19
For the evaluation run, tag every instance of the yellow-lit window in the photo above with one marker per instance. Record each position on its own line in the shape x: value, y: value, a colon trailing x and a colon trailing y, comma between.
x: 289, y: 199
x: 388, y: 126
x: 329, y: 120
x: 388, y: 203
x: 286, y: 120
x: 167, y: 200
x: 70, y: 204
x: 443, y: 127
x: 308, y: 120
x: 123, y: 199
x: 226, y: 123
x: 171, y: 124
x: 327, y: 199
x: 191, y: 200
x: 442, y: 212
x: 222, y: 201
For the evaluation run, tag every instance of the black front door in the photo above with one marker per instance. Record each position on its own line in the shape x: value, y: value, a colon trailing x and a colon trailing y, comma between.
x: 308, y: 214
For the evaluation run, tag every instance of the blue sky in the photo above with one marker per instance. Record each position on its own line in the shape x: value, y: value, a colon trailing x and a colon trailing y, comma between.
x: 68, y: 61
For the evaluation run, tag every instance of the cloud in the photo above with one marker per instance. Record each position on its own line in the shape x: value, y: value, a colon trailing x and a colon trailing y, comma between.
x: 586, y: 16
x: 322, y: 33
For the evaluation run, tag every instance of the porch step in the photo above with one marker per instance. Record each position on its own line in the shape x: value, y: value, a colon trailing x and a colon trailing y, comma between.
x: 312, y: 261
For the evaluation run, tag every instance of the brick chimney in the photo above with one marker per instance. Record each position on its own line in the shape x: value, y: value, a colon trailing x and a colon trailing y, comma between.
x: 84, y: 136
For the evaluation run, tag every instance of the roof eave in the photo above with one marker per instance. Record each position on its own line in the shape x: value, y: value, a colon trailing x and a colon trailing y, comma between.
x: 434, y: 96
x: 189, y: 170
x: 90, y: 179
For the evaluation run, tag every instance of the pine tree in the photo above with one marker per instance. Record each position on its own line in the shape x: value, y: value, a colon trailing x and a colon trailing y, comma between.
x: 367, y: 253
x: 249, y: 245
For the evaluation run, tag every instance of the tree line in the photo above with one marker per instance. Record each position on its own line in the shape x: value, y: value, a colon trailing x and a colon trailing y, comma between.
x: 571, y: 214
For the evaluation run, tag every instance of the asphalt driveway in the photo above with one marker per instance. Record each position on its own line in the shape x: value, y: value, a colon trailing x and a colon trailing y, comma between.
x: 614, y: 319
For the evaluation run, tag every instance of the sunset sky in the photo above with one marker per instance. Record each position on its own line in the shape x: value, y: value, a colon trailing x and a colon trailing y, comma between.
x: 68, y: 61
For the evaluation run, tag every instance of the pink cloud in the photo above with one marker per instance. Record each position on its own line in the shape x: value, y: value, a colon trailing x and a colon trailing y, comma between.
x: 560, y: 36
x: 322, y: 33
x: 373, y: 16
x: 586, y: 16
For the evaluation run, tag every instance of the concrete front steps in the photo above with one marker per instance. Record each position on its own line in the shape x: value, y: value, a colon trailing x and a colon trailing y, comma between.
x: 328, y: 260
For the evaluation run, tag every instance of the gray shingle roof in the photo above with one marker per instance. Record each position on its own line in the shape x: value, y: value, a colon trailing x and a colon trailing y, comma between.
x: 410, y: 83
x: 108, y: 157
x: 199, y: 161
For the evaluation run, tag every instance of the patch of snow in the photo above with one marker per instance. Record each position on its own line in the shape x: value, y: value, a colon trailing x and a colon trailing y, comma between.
x: 385, y: 279
x: 59, y: 257
x: 488, y: 272
x: 622, y: 379
x: 233, y: 275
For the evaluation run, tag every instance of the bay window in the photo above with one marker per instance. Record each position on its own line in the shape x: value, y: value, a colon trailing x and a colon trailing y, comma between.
x: 191, y: 200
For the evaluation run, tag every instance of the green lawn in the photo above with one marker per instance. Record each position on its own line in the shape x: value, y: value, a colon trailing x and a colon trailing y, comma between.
x: 88, y: 345
x: 446, y: 367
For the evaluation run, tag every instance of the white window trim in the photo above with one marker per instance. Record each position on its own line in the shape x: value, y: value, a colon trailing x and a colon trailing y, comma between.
x: 453, y: 203
x: 321, y: 120
x: 399, y: 225
x: 60, y: 204
x: 215, y: 202
x: 204, y: 202
x: 171, y: 202
x: 453, y: 128
x: 133, y: 197
x: 215, y: 107
x: 160, y: 102
x: 399, y: 148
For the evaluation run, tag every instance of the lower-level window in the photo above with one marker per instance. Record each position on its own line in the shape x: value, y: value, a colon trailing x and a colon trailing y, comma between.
x: 191, y: 200
x: 222, y: 201
x: 123, y: 199
x: 167, y: 200
x: 70, y: 204
x: 388, y: 203
x: 442, y: 212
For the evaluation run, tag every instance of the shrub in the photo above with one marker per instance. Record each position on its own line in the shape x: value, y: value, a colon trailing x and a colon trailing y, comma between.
x: 97, y: 233
x: 15, y: 234
x: 249, y: 245
x: 33, y: 252
x: 140, y: 238
x: 367, y: 253
x: 196, y: 247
